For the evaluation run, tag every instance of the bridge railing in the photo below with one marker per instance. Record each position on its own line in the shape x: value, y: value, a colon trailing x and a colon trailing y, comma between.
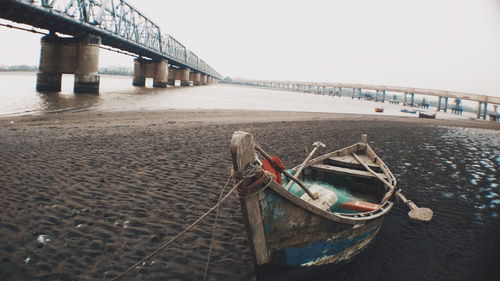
x: 121, y: 19
x: 173, y: 48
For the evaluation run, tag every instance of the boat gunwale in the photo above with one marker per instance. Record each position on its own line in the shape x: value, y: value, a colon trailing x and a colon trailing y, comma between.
x: 363, y: 216
x: 333, y: 216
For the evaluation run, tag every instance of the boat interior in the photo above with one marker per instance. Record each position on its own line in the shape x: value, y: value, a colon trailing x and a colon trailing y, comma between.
x: 356, y: 189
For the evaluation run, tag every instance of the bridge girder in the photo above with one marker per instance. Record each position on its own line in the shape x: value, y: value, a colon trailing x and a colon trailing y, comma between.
x: 118, y: 23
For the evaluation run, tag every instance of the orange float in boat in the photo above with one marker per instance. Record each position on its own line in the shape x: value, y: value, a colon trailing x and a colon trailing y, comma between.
x: 360, y: 206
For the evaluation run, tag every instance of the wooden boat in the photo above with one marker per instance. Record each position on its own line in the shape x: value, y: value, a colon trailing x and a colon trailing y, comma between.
x: 426, y: 114
x: 409, y: 110
x: 379, y: 109
x: 288, y: 227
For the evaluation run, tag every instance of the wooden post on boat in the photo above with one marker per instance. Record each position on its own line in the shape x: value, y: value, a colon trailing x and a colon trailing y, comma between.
x: 299, y: 182
x: 316, y: 145
x: 243, y: 155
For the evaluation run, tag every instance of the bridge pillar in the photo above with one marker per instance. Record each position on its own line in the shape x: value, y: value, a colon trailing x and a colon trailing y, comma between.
x: 445, y: 104
x: 383, y: 96
x: 78, y: 56
x: 158, y: 70
x: 171, y: 76
x: 196, y: 78
x: 439, y: 103
x: 412, y: 99
x: 404, y: 102
x: 49, y: 78
x: 139, y: 72
x: 160, y: 75
x: 87, y: 66
x: 203, y: 79
x: 183, y: 75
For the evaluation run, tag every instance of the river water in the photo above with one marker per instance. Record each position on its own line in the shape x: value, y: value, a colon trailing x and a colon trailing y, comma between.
x: 117, y: 94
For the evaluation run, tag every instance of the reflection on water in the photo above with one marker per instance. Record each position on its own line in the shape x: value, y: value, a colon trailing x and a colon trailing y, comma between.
x: 61, y: 102
x: 117, y: 94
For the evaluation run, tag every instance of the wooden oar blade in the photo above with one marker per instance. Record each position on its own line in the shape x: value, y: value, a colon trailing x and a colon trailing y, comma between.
x: 421, y: 214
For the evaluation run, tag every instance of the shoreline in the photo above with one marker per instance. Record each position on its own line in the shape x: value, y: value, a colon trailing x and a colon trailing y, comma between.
x: 107, y: 188
x: 199, y: 117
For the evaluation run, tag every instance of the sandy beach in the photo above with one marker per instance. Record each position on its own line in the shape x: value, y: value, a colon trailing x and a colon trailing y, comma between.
x: 86, y: 194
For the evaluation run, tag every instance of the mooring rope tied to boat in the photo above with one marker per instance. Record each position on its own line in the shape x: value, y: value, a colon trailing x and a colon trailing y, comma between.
x: 166, y: 244
x: 214, y: 230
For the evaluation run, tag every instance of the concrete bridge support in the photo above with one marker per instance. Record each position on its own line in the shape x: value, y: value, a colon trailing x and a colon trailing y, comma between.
x: 158, y: 70
x: 183, y: 76
x: 178, y: 74
x: 171, y: 76
x: 160, y: 76
x: 196, y: 78
x: 412, y: 100
x: 482, y: 112
x: 78, y: 56
x: 204, y: 79
x: 139, y: 72
x: 377, y: 93
x: 439, y: 107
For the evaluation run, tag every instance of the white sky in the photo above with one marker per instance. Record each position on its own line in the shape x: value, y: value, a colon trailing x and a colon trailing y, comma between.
x: 438, y: 44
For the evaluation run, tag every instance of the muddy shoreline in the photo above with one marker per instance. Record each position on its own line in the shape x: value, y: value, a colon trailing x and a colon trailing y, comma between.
x: 106, y: 188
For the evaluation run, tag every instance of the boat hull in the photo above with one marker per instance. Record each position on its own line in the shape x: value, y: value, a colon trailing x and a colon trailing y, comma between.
x: 295, y: 236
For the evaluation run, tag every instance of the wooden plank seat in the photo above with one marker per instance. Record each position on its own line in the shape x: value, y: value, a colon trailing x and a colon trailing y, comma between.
x: 345, y: 171
x: 350, y: 162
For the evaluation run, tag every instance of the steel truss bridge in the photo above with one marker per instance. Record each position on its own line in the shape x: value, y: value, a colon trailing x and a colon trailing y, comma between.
x: 119, y: 25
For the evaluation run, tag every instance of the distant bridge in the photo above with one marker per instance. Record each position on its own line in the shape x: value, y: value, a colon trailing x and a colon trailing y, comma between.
x: 111, y: 22
x: 483, y: 100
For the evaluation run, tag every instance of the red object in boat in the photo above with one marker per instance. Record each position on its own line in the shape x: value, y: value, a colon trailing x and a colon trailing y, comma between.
x: 361, y: 206
x: 266, y: 165
x: 379, y: 109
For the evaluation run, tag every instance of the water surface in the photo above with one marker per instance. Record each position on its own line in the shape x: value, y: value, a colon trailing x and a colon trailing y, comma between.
x: 117, y: 94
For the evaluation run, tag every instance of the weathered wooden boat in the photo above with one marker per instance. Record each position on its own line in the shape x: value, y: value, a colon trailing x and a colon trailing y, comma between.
x: 339, y: 212
x: 379, y: 109
x: 426, y: 114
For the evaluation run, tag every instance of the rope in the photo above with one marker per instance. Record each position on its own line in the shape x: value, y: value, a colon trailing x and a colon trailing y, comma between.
x: 214, y: 231
x: 270, y: 180
x: 250, y: 172
x: 166, y: 244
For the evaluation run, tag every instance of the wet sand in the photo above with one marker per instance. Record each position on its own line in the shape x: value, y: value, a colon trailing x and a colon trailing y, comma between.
x: 86, y: 194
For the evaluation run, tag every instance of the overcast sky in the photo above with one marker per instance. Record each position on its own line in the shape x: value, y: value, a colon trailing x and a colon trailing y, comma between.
x: 439, y: 44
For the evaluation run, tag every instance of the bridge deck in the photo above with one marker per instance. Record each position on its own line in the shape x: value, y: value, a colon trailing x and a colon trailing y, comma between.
x: 420, y: 91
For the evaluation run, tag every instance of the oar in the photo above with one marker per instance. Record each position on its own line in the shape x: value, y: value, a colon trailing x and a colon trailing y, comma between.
x: 300, y: 183
x: 390, y: 186
x: 316, y: 145
x: 416, y: 213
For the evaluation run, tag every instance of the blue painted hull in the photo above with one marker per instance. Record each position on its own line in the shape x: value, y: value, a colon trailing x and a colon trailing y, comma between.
x: 297, y: 237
